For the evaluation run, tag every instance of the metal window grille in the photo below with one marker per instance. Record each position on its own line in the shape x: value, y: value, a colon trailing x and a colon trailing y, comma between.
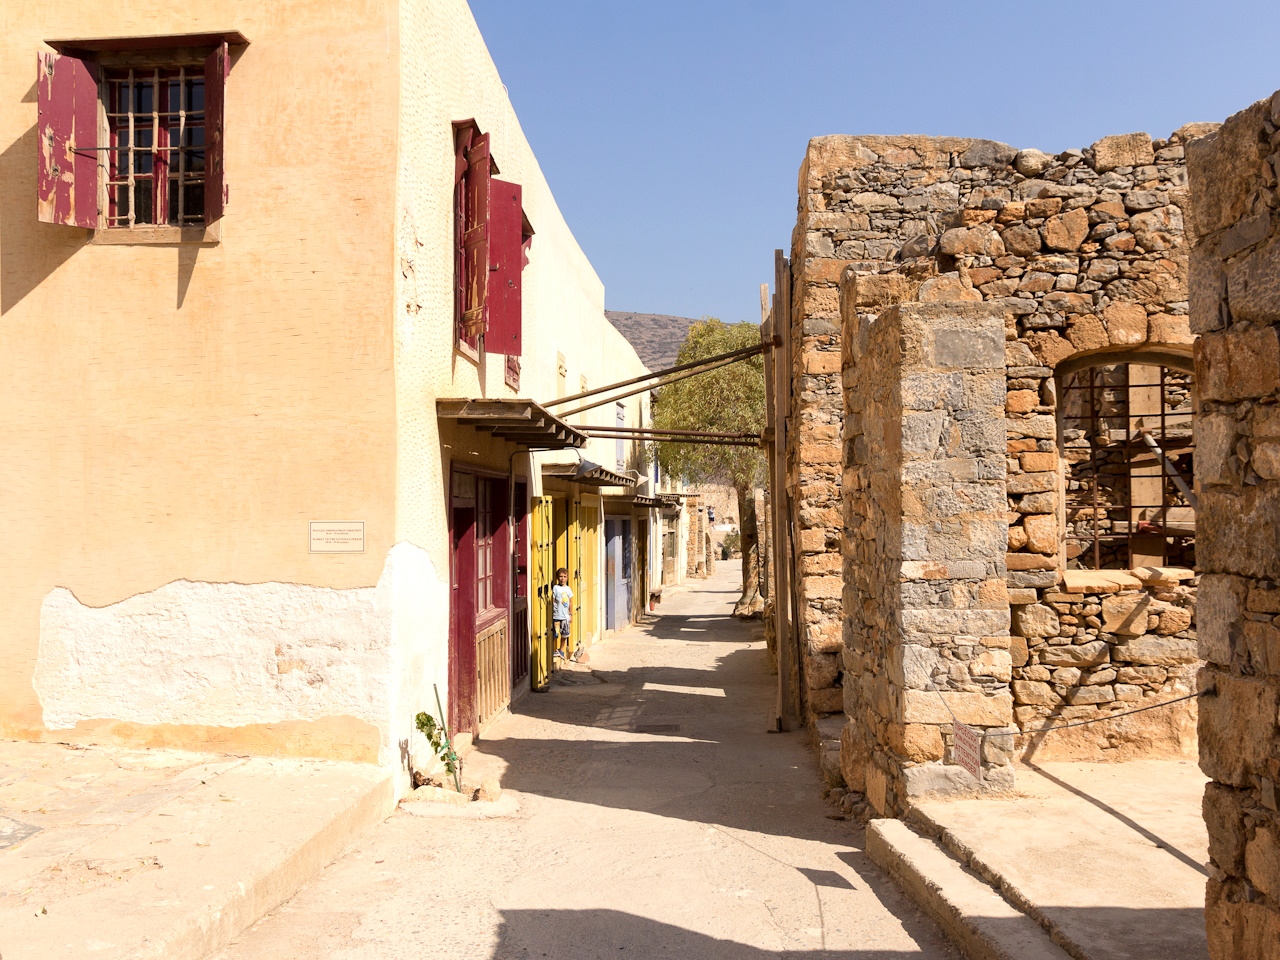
x: 156, y: 152
x: 1105, y: 450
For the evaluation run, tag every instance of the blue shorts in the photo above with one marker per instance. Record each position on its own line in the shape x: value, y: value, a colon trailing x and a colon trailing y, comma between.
x: 560, y: 628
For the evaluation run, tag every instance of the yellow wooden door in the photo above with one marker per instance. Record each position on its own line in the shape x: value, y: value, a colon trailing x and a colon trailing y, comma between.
x: 540, y: 605
x: 589, y: 518
x: 575, y: 572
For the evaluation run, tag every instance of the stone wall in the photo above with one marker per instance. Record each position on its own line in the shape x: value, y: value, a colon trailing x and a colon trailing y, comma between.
x: 855, y: 207
x: 927, y: 635
x: 1083, y: 256
x: 1235, y: 309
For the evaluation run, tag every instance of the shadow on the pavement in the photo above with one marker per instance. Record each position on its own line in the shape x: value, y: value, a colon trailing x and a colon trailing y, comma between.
x: 699, y: 627
x: 1128, y: 821
x: 594, y: 934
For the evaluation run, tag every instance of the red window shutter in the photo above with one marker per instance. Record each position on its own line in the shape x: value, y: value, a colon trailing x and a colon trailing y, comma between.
x: 67, y: 131
x: 462, y: 143
x: 475, y: 239
x: 216, y: 68
x: 506, y: 258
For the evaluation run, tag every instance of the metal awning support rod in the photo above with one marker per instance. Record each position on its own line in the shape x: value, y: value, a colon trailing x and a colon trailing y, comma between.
x: 1174, y: 475
x: 744, y: 352
x: 702, y: 440
x: 662, y: 383
x: 646, y: 431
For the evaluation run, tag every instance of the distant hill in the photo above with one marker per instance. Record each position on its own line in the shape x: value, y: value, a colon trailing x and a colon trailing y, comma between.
x: 656, y: 336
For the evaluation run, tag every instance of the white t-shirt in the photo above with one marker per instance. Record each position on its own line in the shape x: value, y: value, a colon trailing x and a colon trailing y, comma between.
x: 560, y: 597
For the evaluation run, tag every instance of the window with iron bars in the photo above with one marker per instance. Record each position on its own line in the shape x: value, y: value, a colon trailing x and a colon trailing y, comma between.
x: 156, y: 150
x: 1128, y: 451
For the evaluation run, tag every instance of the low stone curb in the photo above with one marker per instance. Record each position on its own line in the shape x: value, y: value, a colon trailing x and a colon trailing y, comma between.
x: 974, y: 916
x: 969, y: 858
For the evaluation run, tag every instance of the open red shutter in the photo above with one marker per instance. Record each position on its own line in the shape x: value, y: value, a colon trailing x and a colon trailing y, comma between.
x: 506, y: 259
x: 462, y: 134
x: 475, y: 241
x: 67, y: 151
x: 216, y: 67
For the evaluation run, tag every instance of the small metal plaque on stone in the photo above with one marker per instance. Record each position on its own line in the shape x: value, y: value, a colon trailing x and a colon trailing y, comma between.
x: 968, y: 749
x: 337, y: 536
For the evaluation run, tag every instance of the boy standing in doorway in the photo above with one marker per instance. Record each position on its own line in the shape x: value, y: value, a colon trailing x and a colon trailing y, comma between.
x: 562, y: 613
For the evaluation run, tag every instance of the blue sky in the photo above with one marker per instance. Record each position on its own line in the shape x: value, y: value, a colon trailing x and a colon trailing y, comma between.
x: 672, y: 133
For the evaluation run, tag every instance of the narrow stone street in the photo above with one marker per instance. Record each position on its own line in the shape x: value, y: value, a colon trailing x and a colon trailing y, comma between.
x: 654, y: 817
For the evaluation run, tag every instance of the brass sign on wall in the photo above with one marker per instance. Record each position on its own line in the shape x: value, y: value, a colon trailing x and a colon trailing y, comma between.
x: 337, y: 536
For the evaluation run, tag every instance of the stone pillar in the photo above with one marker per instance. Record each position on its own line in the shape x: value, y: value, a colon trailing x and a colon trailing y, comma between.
x: 926, y: 606
x: 1235, y: 308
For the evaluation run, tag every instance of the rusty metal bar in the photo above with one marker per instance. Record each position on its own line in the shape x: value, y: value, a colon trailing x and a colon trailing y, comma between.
x: 678, y: 433
x: 654, y: 386
x: 744, y: 352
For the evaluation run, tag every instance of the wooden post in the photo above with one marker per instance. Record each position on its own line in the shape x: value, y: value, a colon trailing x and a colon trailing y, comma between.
x: 783, y: 604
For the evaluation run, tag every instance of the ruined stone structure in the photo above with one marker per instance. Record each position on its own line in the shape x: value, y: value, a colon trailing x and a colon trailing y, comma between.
x: 1235, y: 307
x: 966, y: 535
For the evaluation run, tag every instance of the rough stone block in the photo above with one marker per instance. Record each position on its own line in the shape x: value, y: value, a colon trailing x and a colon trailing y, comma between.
x: 1222, y: 170
x: 1253, y: 284
x: 1156, y: 651
x: 1241, y: 531
x: 1126, y: 323
x: 1076, y: 655
x: 947, y: 288
x: 1126, y: 614
x: 946, y: 780
x: 1035, y: 620
x: 1042, y: 532
x: 1237, y: 728
x: 1262, y: 860
x: 1039, y: 462
x: 1173, y: 620
x: 1067, y: 231
x: 1018, y: 653
x: 1220, y: 604
x: 1099, y: 694
x: 1168, y: 328
x: 853, y: 758
x: 1225, y: 820
x: 1034, y: 692
x: 1123, y: 150
x: 975, y: 709
x: 916, y: 742
x: 1032, y: 483
x: 1238, y: 364
x: 981, y: 241
x: 976, y: 348
x: 1215, y: 435
x: 1029, y: 561
x: 826, y: 699
x: 821, y: 361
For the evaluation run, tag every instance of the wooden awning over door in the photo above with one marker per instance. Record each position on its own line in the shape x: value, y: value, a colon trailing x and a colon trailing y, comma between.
x: 522, y: 422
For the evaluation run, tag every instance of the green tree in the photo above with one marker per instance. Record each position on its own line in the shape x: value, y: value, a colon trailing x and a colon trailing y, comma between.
x: 726, y: 400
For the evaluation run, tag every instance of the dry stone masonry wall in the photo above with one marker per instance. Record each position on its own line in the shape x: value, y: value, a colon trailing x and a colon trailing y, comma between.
x: 1235, y: 310
x: 927, y: 638
x: 1082, y: 257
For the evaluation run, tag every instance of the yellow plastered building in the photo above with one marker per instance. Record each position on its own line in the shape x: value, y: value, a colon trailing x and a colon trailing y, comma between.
x: 229, y: 489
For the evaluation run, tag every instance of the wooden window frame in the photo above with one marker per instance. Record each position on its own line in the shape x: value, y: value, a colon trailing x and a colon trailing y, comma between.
x: 163, y: 58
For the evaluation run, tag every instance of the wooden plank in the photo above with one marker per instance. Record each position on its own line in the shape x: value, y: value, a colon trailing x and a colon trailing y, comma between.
x: 784, y: 598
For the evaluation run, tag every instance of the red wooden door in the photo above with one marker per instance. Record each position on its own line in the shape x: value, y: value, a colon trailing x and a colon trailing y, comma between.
x: 462, y: 605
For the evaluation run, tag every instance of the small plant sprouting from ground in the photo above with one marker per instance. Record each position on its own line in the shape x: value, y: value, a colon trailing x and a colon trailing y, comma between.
x: 438, y: 736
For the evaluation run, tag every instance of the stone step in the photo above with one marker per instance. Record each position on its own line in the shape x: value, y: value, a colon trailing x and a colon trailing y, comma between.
x: 974, y: 915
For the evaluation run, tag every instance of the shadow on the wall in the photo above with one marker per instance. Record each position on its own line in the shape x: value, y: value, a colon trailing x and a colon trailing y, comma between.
x: 29, y: 251
x: 186, y: 269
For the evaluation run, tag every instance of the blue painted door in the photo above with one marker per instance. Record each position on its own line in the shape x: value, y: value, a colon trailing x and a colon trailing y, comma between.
x: 612, y: 563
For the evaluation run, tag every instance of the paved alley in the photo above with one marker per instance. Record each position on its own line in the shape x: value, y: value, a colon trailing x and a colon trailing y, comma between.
x: 655, y: 817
